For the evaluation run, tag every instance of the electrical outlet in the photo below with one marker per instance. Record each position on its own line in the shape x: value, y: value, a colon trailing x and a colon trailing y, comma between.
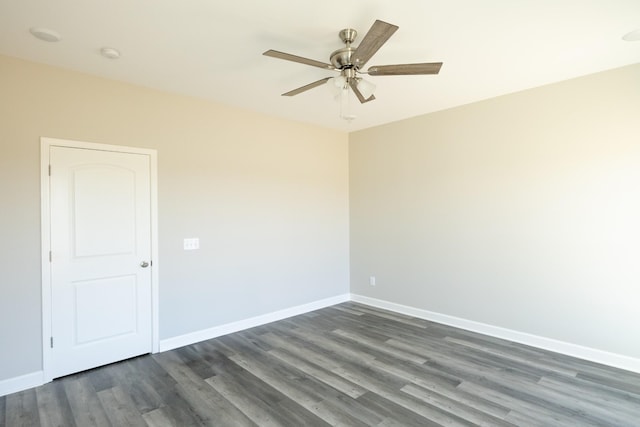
x: 372, y: 280
x: 191, y: 244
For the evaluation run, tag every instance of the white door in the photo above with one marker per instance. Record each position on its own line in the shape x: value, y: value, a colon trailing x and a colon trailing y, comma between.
x: 100, y: 246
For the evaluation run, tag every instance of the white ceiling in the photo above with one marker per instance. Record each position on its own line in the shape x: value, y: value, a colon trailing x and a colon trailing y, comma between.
x: 213, y: 49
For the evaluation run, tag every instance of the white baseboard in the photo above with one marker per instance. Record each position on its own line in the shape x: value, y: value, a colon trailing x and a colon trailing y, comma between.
x: 35, y: 379
x: 228, y: 328
x: 23, y: 382
x: 594, y: 355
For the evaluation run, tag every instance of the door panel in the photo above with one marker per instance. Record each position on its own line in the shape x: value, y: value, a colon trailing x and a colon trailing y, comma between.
x: 95, y: 320
x: 100, y: 234
x: 104, y: 202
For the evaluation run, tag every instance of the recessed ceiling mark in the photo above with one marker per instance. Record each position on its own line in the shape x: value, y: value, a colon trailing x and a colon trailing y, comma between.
x: 632, y: 36
x: 45, y: 34
x: 109, y: 52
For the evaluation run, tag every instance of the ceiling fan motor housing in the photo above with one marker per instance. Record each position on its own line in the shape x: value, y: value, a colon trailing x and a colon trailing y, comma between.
x: 341, y: 58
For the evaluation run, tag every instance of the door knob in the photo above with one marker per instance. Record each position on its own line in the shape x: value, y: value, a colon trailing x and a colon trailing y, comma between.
x: 144, y: 264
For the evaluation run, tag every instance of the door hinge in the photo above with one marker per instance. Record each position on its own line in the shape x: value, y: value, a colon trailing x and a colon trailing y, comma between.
x: 50, y: 257
x: 49, y: 170
x: 151, y: 262
x: 51, y: 341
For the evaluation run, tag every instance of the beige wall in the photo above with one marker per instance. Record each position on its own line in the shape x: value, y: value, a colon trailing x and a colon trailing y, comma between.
x: 268, y: 199
x: 521, y: 211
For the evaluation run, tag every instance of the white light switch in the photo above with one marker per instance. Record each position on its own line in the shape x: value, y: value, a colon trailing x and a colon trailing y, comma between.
x: 191, y: 244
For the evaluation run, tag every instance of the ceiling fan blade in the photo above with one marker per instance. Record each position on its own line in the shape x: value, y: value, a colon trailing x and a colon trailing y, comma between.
x: 287, y: 56
x: 377, y: 35
x: 405, y: 69
x: 354, y: 86
x: 306, y: 87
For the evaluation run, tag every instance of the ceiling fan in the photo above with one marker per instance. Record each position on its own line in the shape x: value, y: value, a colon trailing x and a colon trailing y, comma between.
x: 350, y: 60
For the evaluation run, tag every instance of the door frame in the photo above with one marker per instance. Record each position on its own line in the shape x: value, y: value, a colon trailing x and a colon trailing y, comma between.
x: 45, y: 227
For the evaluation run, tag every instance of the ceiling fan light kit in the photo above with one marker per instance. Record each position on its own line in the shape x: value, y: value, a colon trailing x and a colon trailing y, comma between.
x: 366, y: 88
x: 348, y: 61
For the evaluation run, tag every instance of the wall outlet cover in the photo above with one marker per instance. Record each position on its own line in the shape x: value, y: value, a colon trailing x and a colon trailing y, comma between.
x: 191, y: 244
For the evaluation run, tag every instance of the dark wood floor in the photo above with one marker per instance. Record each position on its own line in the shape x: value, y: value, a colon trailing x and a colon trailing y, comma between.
x: 348, y: 365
